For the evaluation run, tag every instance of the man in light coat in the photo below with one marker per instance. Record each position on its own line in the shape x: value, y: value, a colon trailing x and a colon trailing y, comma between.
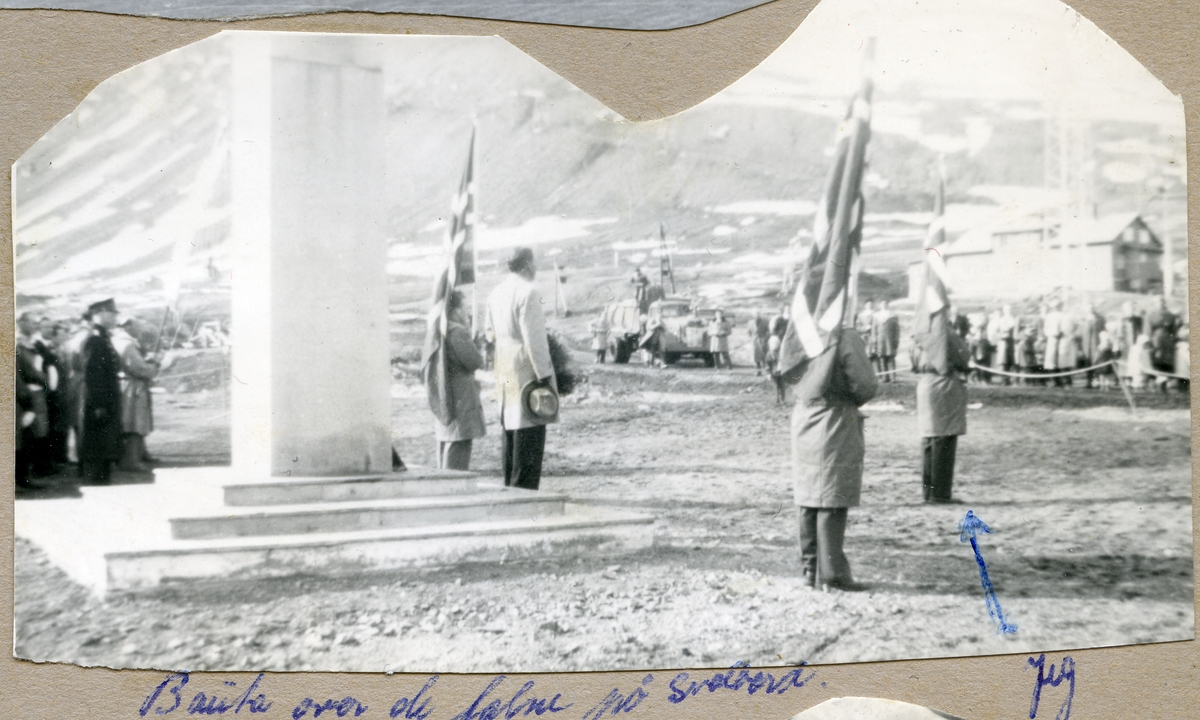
x: 941, y: 409
x: 827, y: 455
x: 516, y: 318
x: 1055, y: 327
x: 137, y: 414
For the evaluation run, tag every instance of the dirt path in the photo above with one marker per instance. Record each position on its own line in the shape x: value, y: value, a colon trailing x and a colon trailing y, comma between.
x: 1091, y: 545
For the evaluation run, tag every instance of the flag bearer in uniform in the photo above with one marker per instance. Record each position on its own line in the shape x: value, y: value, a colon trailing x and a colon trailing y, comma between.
x: 456, y: 432
x: 827, y: 455
x: 940, y: 356
x: 941, y: 409
x: 829, y: 360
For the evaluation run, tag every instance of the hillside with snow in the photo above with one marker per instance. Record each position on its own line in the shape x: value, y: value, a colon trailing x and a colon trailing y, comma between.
x: 129, y: 196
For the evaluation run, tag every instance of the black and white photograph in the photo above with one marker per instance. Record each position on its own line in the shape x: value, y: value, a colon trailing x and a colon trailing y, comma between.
x: 381, y: 353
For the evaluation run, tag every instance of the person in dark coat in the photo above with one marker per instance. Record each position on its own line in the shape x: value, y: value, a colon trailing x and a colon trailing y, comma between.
x: 887, y: 340
x: 941, y: 409
x: 24, y: 404
x: 1089, y: 328
x: 961, y: 323
x: 827, y: 454
x: 100, y: 436
x: 52, y: 337
x: 455, y: 437
x: 760, y: 330
x: 1162, y: 325
x: 34, y: 457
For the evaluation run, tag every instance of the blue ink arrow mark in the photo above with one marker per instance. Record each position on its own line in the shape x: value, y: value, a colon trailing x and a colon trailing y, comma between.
x: 968, y: 529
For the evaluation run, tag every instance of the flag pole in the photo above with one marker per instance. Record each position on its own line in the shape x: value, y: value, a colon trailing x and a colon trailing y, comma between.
x: 471, y: 228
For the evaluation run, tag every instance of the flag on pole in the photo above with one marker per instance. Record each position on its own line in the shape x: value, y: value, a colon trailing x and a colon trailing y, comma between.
x: 459, y: 271
x: 931, y: 323
x: 826, y: 281
x: 665, y: 269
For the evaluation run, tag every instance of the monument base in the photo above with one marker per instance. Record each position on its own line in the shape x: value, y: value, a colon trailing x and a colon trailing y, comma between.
x: 200, y: 525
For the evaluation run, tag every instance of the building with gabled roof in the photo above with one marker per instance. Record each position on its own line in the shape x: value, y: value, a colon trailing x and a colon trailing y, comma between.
x: 1033, y: 256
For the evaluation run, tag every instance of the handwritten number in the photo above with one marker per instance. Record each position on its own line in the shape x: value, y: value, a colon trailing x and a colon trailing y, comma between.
x: 1047, y: 677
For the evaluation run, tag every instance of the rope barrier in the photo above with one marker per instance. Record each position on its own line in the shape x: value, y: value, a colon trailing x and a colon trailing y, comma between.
x: 1160, y: 373
x: 160, y: 378
x: 1041, y: 376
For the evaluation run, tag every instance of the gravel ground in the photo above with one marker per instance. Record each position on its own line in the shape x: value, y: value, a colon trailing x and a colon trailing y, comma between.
x: 1090, y: 510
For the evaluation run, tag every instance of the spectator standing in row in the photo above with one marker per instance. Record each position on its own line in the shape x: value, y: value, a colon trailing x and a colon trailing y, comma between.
x: 51, y: 338
x: 137, y: 414
x: 960, y: 323
x: 1162, y: 325
x: 1054, y: 329
x: 1088, y: 331
x: 1002, y: 327
x: 885, y: 328
x: 100, y: 425
x: 33, y: 424
x: 72, y: 356
x: 1129, y: 329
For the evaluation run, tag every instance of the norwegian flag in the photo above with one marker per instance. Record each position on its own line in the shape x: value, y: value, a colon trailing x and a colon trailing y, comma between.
x: 931, y: 326
x: 933, y: 293
x: 459, y: 271
x: 827, y: 280
x: 460, y: 236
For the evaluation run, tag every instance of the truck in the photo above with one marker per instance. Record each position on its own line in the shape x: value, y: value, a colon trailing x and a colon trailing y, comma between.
x: 624, y: 329
x: 684, y: 330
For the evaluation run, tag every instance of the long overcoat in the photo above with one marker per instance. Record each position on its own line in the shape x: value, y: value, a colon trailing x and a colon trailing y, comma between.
x: 887, y: 333
x: 827, y: 426
x: 100, y: 396
x: 942, y: 397
x: 137, y: 414
x: 516, y: 317
x: 718, y: 336
x: 462, y: 360
x: 1089, y: 337
x: 1058, y: 354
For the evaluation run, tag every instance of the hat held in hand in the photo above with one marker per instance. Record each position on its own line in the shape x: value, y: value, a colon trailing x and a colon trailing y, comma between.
x: 541, y: 401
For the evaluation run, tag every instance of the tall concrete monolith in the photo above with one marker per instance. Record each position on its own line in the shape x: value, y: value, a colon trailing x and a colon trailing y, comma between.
x: 311, y: 375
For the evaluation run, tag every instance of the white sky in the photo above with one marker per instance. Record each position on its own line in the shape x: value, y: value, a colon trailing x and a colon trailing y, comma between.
x: 1035, y: 50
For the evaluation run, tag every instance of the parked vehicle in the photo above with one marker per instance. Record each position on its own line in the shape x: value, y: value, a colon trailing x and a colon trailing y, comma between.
x: 684, y: 330
x: 624, y: 329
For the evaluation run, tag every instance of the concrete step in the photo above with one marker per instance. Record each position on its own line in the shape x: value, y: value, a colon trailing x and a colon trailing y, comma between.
x: 414, y: 482
x: 404, y: 512
x: 578, y: 530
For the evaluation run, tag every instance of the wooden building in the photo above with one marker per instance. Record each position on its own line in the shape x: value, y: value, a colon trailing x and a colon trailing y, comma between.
x: 1033, y: 257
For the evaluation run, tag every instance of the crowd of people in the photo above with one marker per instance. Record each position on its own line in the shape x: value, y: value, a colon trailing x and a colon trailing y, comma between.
x: 1139, y: 347
x: 82, y: 395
